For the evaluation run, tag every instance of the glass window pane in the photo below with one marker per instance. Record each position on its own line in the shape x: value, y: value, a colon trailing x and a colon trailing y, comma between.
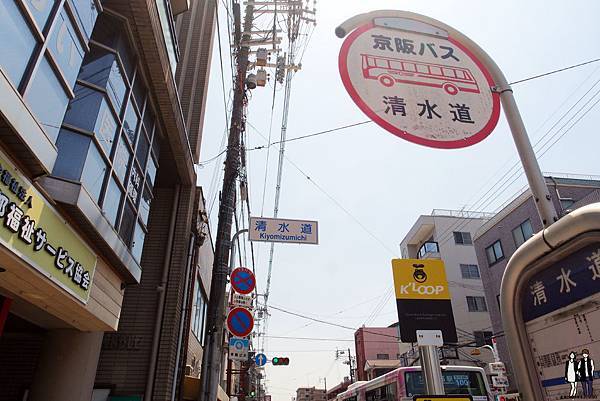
x: 66, y: 47
x: 86, y: 14
x: 127, y: 224
x: 47, y: 99
x: 83, y: 109
x: 498, y: 250
x: 151, y: 174
x: 130, y: 123
x: 96, y: 66
x: 142, y: 150
x: 490, y: 255
x: 112, y: 201
x: 156, y: 144
x: 145, y: 205
x: 121, y: 160
x: 527, y: 229
x: 138, y: 242
x: 93, y: 173
x: 40, y: 9
x: 149, y: 119
x: 167, y: 33
x: 139, y: 92
x: 106, y: 127
x: 72, y: 150
x: 116, y: 87
x: 16, y: 42
x: 518, y: 236
x: 134, y: 185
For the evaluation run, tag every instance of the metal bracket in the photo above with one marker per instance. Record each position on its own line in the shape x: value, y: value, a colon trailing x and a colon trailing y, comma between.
x: 410, y: 25
x: 501, y: 90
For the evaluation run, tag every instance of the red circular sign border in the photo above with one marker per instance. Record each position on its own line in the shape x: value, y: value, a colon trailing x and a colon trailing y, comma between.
x: 233, y: 286
x: 456, y: 144
x: 230, y: 316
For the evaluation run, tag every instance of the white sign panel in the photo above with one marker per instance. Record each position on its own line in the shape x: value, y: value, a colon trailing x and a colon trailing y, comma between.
x: 430, y: 337
x: 426, y: 89
x: 497, y: 368
x: 238, y: 349
x: 499, y: 381
x: 244, y: 301
x: 284, y: 230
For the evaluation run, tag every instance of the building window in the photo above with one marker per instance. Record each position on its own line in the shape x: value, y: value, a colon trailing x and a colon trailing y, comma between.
x: 462, y: 238
x: 43, y: 67
x: 469, y: 271
x: 199, y: 306
x: 428, y: 247
x: 109, y: 105
x: 17, y: 51
x: 166, y: 18
x: 383, y: 356
x: 476, y: 304
x: 494, y: 253
x: 483, y: 338
x: 522, y: 233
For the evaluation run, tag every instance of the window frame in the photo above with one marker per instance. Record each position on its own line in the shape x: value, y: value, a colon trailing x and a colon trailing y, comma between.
x: 469, y: 268
x: 462, y: 238
x: 496, y: 257
x: 519, y: 229
x: 476, y: 305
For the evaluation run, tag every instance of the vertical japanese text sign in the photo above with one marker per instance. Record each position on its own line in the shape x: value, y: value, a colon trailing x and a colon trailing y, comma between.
x: 423, y: 298
x: 419, y: 83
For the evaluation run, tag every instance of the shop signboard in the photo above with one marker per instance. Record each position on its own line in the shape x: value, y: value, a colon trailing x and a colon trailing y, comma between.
x: 423, y: 299
x: 34, y: 231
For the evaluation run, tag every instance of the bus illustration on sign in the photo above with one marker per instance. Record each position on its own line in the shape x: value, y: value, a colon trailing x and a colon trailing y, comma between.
x: 389, y: 71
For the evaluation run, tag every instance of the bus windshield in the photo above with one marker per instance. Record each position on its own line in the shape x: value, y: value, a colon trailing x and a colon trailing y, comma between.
x: 455, y: 382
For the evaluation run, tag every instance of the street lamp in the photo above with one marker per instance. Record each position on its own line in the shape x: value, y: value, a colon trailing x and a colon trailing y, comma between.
x: 477, y: 351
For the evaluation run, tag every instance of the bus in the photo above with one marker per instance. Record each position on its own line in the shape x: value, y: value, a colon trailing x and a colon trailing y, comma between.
x: 389, y: 71
x: 404, y: 383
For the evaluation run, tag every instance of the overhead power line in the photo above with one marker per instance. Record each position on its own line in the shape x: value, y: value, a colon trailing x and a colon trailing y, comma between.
x: 554, y: 71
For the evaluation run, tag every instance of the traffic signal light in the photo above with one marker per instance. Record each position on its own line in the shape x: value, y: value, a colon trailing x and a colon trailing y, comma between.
x: 252, y: 394
x: 279, y: 361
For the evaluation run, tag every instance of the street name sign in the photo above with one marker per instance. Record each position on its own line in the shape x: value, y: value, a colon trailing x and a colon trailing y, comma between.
x: 423, y: 298
x: 242, y: 280
x: 284, y: 230
x: 240, y: 322
x: 238, y: 349
x: 420, y: 84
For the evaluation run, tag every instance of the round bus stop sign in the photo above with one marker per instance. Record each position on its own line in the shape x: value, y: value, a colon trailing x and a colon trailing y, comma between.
x: 424, y: 88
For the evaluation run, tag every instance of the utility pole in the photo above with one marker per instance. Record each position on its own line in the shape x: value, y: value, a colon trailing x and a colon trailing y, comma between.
x: 213, y: 355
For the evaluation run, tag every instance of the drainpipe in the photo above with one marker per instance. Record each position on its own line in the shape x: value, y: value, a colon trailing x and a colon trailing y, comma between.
x: 162, y: 288
x: 184, y: 305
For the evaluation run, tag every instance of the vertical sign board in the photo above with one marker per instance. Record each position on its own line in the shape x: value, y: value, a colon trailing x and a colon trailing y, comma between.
x: 290, y: 231
x: 423, y: 298
x: 419, y: 83
x: 561, y: 311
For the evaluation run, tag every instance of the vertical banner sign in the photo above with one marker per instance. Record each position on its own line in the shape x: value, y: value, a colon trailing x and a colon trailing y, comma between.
x: 423, y: 298
x: 419, y: 84
x: 561, y: 311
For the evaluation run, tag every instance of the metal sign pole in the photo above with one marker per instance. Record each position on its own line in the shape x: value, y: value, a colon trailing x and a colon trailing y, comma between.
x: 432, y: 371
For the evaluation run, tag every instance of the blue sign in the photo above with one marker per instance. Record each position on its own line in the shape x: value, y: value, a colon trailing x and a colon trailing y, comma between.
x: 260, y: 359
x: 567, y: 281
x: 239, y: 343
x: 240, y: 322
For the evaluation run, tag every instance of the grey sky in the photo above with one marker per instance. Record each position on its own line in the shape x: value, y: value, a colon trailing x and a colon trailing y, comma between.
x: 383, y: 181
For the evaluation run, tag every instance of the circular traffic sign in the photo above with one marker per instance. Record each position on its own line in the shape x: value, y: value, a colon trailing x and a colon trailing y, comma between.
x: 260, y: 359
x: 242, y: 280
x: 427, y: 89
x: 240, y: 322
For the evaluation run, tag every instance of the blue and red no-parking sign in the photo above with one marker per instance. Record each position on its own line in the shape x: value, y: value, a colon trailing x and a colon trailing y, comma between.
x: 240, y: 322
x: 242, y: 280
